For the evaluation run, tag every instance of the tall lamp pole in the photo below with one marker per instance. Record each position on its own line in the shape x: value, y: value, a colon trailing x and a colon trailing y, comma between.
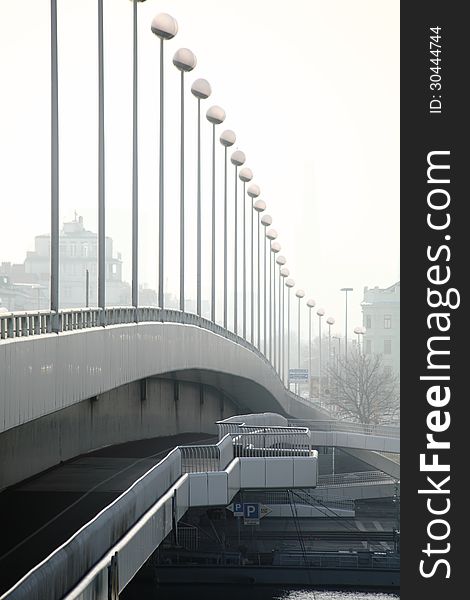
x: 346, y: 290
x: 227, y: 139
x: 266, y: 221
x: 359, y: 331
x: 101, y: 173
x: 275, y: 248
x: 164, y: 27
x: 330, y: 321
x: 54, y: 293
x: 215, y: 115
x: 259, y: 206
x: 284, y: 274
x: 320, y: 313
x: 280, y: 261
x: 246, y: 175
x: 290, y: 283
x: 271, y: 234
x: 337, y: 337
x: 300, y: 294
x: 238, y: 158
x: 201, y: 89
x: 253, y: 191
x: 310, y: 303
x: 185, y: 61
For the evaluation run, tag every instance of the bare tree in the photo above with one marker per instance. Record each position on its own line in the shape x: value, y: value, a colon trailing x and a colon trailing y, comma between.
x: 363, y: 391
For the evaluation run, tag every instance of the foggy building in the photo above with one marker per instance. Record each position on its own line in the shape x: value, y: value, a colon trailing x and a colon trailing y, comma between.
x: 26, y: 286
x: 381, y: 318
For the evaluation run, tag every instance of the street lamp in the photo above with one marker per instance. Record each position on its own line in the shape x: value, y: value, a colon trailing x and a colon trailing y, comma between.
x: 346, y: 290
x: 284, y: 274
x: 216, y: 116
x: 300, y: 294
x: 310, y: 303
x: 164, y: 27
x: 330, y: 321
x: 271, y: 234
x: 259, y: 206
x: 185, y: 61
x: 290, y: 283
x: 101, y: 173
x: 275, y: 248
x: 359, y: 331
x: 320, y: 313
x: 201, y: 89
x: 227, y: 139
x: 253, y: 191
x: 246, y: 175
x: 280, y: 261
x: 54, y: 291
x: 266, y: 221
x: 238, y: 158
x: 337, y: 337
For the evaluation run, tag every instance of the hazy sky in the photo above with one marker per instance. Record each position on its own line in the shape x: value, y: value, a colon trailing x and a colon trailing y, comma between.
x: 310, y: 88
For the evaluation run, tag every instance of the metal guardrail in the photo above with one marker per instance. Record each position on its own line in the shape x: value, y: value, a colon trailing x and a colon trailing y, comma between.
x: 208, y: 457
x: 338, y: 561
x: 300, y: 497
x: 357, y: 478
x: 272, y: 441
x: 389, y: 431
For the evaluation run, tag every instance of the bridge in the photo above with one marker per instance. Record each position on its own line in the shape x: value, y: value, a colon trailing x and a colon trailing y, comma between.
x: 66, y: 376
x: 208, y: 408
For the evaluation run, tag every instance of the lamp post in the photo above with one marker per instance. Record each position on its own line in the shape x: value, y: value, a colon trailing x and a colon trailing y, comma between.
x: 246, y: 175
x: 185, y: 61
x: 253, y: 191
x: 259, y: 206
x: 330, y: 321
x: 164, y: 27
x: 275, y: 248
x: 101, y: 173
x: 54, y: 292
x: 201, y: 89
x: 271, y: 234
x: 284, y: 274
x: 237, y: 159
x: 280, y: 261
x: 300, y: 294
x: 359, y: 331
x: 320, y: 313
x: 310, y: 303
x: 290, y: 283
x: 346, y: 290
x: 227, y: 139
x: 266, y: 221
x: 337, y: 337
x: 215, y: 115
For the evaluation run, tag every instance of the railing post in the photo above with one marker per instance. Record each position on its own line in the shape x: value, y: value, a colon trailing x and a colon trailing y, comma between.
x: 113, y: 578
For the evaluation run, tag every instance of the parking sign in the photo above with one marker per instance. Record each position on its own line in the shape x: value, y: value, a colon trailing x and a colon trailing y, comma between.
x: 251, y: 513
x: 238, y: 509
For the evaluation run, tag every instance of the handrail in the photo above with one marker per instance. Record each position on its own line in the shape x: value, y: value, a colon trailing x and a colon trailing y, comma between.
x: 390, y: 431
x: 352, y: 479
x: 352, y: 560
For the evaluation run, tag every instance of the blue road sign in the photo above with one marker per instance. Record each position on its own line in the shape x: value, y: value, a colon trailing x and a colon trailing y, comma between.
x: 238, y: 509
x: 251, y: 510
x: 298, y: 374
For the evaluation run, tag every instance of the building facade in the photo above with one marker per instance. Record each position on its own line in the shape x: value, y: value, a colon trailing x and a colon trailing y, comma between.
x: 381, y: 319
x: 26, y: 286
